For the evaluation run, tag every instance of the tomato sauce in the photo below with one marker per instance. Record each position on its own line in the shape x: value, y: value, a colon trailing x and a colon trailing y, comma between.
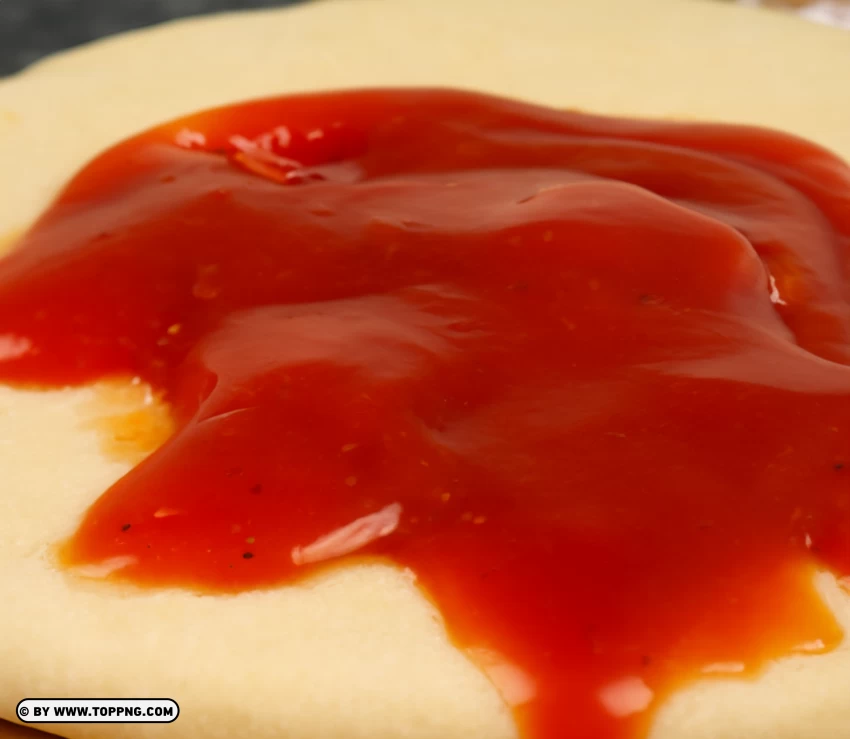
x: 586, y: 377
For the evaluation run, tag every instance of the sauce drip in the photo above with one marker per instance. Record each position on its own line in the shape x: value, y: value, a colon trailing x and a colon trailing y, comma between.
x: 587, y: 377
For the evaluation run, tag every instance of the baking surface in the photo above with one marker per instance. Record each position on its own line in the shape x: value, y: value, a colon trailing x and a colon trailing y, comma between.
x: 661, y: 83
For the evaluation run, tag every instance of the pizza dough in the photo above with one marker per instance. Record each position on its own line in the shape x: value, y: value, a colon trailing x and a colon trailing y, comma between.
x: 359, y: 653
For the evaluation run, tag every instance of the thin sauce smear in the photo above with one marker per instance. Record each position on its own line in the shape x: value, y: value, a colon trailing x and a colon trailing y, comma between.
x: 588, y: 378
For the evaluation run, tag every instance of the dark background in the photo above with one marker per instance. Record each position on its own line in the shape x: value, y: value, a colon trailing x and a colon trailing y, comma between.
x: 29, y: 29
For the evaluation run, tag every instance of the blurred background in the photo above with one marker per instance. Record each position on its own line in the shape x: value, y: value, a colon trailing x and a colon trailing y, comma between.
x: 30, y: 29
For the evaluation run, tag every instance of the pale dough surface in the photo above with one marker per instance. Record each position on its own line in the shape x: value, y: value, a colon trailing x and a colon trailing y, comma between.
x: 361, y: 653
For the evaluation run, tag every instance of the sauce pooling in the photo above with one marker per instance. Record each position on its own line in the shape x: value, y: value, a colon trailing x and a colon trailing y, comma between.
x: 586, y: 377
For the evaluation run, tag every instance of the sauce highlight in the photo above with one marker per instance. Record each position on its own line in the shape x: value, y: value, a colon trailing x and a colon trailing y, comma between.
x: 587, y: 377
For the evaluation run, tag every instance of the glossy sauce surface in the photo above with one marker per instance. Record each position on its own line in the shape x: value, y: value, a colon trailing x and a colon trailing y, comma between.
x: 586, y: 377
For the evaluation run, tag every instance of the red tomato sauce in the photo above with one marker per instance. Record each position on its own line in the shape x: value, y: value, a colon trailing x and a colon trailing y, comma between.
x: 586, y: 377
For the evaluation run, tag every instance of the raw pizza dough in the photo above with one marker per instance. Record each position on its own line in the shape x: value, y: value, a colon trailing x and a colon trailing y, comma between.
x: 359, y: 653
